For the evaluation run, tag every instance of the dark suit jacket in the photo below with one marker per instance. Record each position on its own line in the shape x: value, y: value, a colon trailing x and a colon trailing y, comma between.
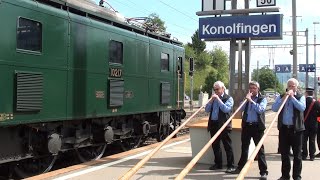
x: 311, y: 121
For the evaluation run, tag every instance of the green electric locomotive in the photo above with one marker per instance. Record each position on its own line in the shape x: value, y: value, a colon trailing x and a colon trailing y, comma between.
x: 76, y: 76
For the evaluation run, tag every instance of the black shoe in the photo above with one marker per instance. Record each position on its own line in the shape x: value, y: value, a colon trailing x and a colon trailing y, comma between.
x: 236, y: 171
x: 282, y: 178
x: 304, y: 158
x: 311, y: 158
x: 230, y: 169
x: 263, y: 176
x: 215, y: 167
x: 318, y: 155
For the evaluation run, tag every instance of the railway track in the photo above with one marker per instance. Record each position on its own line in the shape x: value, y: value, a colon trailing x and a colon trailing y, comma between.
x: 69, y: 158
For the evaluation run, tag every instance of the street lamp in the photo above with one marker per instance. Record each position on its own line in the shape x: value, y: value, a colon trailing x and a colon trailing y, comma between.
x: 315, y: 61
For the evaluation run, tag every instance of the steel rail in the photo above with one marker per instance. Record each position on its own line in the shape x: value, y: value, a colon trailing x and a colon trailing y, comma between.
x: 134, y: 169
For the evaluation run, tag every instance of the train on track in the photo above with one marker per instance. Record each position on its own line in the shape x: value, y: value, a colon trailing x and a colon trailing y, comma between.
x: 75, y: 76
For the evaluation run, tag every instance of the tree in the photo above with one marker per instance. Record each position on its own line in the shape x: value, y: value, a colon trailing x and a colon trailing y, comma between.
x: 202, y: 60
x: 219, y: 71
x: 220, y: 61
x: 267, y: 79
x: 154, y: 23
x: 197, y: 45
x: 209, y: 80
x: 189, y: 52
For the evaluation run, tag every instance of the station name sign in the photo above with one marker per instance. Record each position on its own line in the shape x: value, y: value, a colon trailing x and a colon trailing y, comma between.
x: 227, y: 27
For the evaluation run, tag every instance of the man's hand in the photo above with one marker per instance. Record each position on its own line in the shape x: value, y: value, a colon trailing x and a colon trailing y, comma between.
x: 248, y: 97
x: 290, y: 93
x: 214, y: 96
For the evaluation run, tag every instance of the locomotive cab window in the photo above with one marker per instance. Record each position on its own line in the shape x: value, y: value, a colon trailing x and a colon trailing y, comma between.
x: 116, y: 52
x: 29, y: 35
x: 164, y: 62
x: 179, y: 66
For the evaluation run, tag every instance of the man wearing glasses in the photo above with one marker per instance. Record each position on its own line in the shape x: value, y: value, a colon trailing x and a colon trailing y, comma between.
x: 219, y: 108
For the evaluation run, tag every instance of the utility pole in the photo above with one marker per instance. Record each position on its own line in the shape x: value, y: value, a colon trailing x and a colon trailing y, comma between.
x: 307, y: 57
x: 294, y: 39
x: 315, y: 61
x: 257, y: 70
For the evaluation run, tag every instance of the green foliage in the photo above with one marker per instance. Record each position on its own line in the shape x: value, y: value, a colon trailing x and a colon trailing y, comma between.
x: 198, y: 81
x: 267, y: 79
x: 211, y: 78
x: 202, y: 60
x: 210, y: 67
x: 189, y: 52
x: 197, y: 45
x: 220, y: 61
x: 154, y: 23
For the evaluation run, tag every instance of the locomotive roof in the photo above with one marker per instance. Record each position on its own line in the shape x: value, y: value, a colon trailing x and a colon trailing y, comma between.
x: 89, y: 9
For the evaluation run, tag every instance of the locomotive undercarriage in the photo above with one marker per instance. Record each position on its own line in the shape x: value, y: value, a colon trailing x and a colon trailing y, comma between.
x: 33, y: 148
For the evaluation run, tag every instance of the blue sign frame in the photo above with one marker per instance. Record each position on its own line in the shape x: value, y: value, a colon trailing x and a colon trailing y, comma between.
x: 282, y: 68
x: 304, y: 68
x: 227, y: 27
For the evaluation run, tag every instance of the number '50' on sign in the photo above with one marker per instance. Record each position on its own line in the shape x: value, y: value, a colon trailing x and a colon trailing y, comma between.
x: 262, y: 3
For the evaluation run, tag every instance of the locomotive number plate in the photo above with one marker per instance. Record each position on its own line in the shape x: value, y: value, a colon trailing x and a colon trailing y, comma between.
x: 115, y: 72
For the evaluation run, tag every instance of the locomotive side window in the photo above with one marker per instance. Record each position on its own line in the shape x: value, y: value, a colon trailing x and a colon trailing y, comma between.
x: 164, y: 62
x: 29, y: 35
x: 116, y: 52
x: 179, y: 66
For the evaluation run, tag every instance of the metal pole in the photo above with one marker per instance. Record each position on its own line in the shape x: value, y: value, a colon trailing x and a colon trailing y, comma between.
x: 294, y: 39
x: 240, y: 65
x: 257, y: 70
x: 307, y: 57
x: 315, y: 61
x: 191, y: 95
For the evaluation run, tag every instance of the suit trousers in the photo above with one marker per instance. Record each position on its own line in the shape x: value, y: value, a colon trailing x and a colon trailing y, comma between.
x: 227, y: 143
x: 256, y: 134
x: 288, y: 137
x: 309, y: 134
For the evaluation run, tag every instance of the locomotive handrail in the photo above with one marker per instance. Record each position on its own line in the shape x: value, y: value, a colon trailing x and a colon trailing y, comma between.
x: 185, y: 171
x: 134, y: 169
x: 256, y: 150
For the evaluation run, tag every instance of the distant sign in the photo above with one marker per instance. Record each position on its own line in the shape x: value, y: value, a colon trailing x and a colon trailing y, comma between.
x: 209, y: 5
x: 283, y: 68
x: 262, y: 3
x: 304, y: 68
x: 255, y: 26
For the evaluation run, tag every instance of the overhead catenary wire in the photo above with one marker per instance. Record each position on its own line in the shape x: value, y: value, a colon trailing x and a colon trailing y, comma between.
x: 138, y: 8
x: 179, y: 11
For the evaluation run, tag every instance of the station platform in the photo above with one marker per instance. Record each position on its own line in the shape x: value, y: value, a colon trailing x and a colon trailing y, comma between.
x: 171, y: 160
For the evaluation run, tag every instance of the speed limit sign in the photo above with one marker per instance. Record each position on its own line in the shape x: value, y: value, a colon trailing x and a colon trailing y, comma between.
x: 262, y: 3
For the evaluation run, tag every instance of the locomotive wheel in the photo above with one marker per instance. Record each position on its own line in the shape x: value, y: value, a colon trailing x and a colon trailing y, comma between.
x: 163, y: 132
x: 34, y: 166
x: 131, y: 143
x: 90, y: 153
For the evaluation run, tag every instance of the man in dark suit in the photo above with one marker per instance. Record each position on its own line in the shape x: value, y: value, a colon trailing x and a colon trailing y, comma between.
x: 253, y: 126
x: 219, y: 108
x: 311, y: 124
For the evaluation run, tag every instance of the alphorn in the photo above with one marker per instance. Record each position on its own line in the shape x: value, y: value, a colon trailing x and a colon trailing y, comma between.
x: 185, y: 171
x: 134, y: 169
x: 256, y: 150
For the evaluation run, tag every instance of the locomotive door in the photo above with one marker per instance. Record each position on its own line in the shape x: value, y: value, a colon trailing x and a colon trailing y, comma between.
x: 180, y: 81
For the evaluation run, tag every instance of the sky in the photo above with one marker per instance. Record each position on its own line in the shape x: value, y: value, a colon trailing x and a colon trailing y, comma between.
x: 181, y: 21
